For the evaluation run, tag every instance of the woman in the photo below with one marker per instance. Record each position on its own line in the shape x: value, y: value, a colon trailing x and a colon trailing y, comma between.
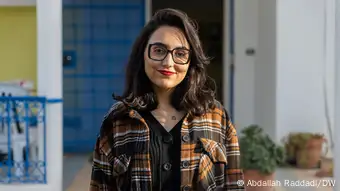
x: 167, y: 131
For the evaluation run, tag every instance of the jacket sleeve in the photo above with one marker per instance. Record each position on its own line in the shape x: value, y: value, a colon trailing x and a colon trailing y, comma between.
x: 234, y: 173
x: 101, y: 175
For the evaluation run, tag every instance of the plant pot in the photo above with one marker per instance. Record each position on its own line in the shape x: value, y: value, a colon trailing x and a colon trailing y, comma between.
x: 326, y: 168
x: 310, y: 155
x: 256, y: 181
x: 291, y: 154
x: 326, y: 163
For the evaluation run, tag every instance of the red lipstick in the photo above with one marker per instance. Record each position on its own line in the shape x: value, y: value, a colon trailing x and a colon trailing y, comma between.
x: 166, y: 72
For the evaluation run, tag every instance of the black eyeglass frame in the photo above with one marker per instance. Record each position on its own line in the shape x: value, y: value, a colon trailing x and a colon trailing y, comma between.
x: 171, y: 52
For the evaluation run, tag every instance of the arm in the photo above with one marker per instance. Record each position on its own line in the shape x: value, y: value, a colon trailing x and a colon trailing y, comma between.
x: 233, y: 172
x: 101, y: 177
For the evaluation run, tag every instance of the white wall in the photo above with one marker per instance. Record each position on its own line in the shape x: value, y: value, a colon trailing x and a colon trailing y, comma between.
x: 49, y: 29
x: 246, y: 36
x: 337, y: 92
x: 301, y: 63
x: 255, y: 75
x: 265, y: 68
x: 292, y: 53
x: 49, y: 17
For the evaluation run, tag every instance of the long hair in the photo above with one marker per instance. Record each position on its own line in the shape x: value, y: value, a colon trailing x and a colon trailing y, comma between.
x: 195, y: 94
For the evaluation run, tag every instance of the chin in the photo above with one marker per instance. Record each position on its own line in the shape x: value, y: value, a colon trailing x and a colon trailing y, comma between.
x: 165, y: 85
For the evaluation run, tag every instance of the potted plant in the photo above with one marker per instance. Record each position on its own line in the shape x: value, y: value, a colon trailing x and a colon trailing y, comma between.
x: 305, y: 149
x: 326, y: 171
x: 326, y: 167
x: 260, y: 157
x: 290, y: 144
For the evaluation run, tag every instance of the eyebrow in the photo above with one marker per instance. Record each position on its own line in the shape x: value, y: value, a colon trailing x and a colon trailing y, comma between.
x: 165, y: 45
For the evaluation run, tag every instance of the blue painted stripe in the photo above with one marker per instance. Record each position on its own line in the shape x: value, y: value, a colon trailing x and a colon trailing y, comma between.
x: 124, y: 6
x: 9, y: 102
x: 110, y: 76
x: 45, y: 149
x: 99, y: 42
x: 22, y: 98
x: 97, y: 91
x: 31, y: 99
x: 99, y: 25
x: 55, y: 100
x: 92, y: 109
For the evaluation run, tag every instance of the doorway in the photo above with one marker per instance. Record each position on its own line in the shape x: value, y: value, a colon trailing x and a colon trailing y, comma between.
x: 209, y: 17
x: 91, y: 69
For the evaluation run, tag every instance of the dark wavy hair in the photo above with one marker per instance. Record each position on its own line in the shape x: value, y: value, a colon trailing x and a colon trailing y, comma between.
x: 195, y: 94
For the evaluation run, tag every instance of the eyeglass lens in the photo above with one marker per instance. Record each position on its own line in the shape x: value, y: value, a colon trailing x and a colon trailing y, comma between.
x: 159, y: 52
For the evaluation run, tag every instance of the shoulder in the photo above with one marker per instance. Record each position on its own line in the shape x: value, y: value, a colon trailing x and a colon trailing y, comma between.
x: 110, y: 120
x: 115, y: 109
x: 227, y: 124
x: 218, y: 105
x: 217, y: 123
x: 217, y: 114
x: 219, y: 111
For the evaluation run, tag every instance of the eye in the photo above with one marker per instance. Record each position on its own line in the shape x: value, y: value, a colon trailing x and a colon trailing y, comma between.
x: 158, y: 50
x: 181, y: 53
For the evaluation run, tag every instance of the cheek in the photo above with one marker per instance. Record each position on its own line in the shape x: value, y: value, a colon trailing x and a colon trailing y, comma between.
x: 182, y: 70
x: 147, y: 64
x: 149, y: 68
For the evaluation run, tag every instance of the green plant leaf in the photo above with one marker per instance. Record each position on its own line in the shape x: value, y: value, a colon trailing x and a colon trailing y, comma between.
x: 259, y: 151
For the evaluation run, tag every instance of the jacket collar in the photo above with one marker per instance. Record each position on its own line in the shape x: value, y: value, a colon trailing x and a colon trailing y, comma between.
x: 135, y: 115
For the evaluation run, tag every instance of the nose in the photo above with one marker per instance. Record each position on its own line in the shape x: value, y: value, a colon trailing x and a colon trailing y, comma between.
x: 168, y: 61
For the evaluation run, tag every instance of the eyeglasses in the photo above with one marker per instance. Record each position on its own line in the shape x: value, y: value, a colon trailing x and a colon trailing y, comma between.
x: 159, y: 52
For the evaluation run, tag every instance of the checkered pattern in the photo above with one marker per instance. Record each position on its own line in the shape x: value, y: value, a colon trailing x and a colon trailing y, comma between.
x: 209, y: 153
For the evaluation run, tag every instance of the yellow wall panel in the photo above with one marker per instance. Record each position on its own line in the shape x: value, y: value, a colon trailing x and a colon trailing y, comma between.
x: 18, y: 43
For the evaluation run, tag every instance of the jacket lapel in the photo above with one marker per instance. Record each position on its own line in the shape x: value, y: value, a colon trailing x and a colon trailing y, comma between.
x: 141, y: 165
x: 187, y: 153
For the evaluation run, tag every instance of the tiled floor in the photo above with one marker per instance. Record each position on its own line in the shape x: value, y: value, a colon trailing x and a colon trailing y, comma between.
x: 81, y: 180
x: 77, y: 175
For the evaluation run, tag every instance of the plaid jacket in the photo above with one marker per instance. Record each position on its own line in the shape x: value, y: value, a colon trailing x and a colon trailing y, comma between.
x: 209, y: 154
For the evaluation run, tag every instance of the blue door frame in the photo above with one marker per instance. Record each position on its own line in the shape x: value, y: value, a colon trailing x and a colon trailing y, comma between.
x: 97, y: 37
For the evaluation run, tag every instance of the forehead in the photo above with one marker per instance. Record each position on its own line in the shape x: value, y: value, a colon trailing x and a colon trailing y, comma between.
x: 172, y: 37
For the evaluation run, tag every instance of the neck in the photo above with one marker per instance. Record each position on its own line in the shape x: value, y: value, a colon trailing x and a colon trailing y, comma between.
x: 163, y: 98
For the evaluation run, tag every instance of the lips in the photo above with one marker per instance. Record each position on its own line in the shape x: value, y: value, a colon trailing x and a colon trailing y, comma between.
x: 166, y: 73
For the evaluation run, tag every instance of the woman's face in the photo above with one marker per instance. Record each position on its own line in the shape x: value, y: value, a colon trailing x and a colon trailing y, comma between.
x: 167, y: 57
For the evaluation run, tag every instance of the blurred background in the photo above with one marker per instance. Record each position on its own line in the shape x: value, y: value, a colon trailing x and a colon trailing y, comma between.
x: 273, y: 63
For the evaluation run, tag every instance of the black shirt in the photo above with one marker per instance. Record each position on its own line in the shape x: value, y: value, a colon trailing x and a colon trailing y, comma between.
x: 165, y: 149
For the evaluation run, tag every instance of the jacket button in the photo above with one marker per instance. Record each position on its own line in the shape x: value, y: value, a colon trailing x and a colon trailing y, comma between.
x: 186, y: 138
x: 133, y: 114
x: 185, y: 164
x: 167, y: 166
x: 167, y: 139
x: 186, y: 188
